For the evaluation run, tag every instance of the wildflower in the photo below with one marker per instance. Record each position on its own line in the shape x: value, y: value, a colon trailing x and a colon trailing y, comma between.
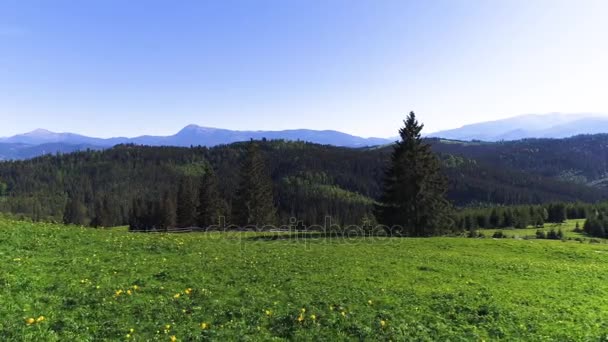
x: 40, y: 319
x: 129, y: 292
x: 173, y: 338
x: 131, y: 330
x: 118, y: 293
x: 313, y: 317
x: 176, y: 296
x: 383, y: 323
x: 343, y: 313
x: 369, y: 302
x: 301, y: 318
x: 302, y: 310
x: 188, y: 291
x: 168, y: 326
x: 135, y: 287
x: 30, y: 321
x: 268, y: 313
x: 204, y: 326
x: 128, y: 336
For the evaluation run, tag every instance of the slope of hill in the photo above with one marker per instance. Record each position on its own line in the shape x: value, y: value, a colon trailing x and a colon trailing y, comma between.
x: 311, y: 181
x: 554, y: 125
x: 581, y: 159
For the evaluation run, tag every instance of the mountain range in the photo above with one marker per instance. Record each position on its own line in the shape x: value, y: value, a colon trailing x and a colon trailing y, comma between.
x: 552, y: 125
x: 42, y: 141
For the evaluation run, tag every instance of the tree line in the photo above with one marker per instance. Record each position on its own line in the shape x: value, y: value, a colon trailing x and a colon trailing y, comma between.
x: 408, y: 186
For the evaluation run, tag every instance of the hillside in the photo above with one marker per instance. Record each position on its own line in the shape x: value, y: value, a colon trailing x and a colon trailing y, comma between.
x: 232, y: 286
x: 310, y: 181
x: 581, y: 159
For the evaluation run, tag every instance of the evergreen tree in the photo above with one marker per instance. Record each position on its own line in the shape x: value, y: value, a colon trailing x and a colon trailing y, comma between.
x: 254, y: 203
x: 102, y: 217
x: 557, y: 213
x: 168, y: 211
x: 495, y: 219
x: 414, y: 188
x: 210, y: 204
x: 75, y: 212
x: 186, y: 203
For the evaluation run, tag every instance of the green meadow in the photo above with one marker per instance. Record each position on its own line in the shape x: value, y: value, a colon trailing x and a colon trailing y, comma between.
x: 65, y: 283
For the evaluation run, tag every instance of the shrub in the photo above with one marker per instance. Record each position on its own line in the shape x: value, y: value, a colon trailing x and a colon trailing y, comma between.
x: 499, y: 235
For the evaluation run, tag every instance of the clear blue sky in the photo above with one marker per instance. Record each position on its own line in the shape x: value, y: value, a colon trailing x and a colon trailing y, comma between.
x: 131, y: 67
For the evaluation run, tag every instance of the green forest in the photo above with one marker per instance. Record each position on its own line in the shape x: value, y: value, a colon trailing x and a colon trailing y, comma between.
x: 301, y: 183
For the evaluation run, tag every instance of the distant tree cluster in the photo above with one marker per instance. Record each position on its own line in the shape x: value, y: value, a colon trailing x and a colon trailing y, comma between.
x: 203, y: 207
x: 522, y: 216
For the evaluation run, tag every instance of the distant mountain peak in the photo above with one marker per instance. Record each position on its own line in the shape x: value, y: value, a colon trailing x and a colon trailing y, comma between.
x: 551, y: 125
x: 40, y: 131
x: 191, y: 135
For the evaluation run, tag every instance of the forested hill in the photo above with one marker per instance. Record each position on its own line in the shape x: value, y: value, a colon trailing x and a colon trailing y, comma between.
x: 310, y: 181
x: 582, y: 159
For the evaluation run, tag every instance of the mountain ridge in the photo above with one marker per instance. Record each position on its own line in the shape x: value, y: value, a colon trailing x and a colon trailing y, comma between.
x: 43, y: 141
x: 551, y: 125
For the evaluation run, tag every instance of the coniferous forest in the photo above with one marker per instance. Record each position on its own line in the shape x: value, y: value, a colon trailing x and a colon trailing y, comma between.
x: 276, y: 182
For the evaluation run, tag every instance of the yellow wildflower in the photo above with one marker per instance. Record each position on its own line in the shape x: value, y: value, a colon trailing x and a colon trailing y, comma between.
x: 313, y: 317
x: 173, y: 338
x: 176, y: 295
x: 129, y: 292
x: 131, y: 330
x: 302, y: 310
x: 204, y: 326
x: 135, y: 287
x: 128, y: 335
x: 40, y: 319
x: 168, y: 326
x: 30, y: 321
x: 369, y: 302
x: 343, y: 313
x: 188, y: 291
x: 268, y: 313
x: 382, y: 323
x: 301, y: 318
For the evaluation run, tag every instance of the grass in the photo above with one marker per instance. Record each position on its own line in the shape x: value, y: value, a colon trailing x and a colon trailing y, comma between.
x: 566, y: 227
x: 88, y: 284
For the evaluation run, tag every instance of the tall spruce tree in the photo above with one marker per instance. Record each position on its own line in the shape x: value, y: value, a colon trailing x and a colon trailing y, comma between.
x: 75, y: 212
x: 210, y: 203
x: 186, y: 203
x: 414, y: 198
x: 254, y: 202
x: 167, y: 211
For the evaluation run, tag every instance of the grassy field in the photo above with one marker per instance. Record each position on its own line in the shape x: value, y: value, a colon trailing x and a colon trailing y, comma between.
x: 566, y: 227
x: 62, y: 283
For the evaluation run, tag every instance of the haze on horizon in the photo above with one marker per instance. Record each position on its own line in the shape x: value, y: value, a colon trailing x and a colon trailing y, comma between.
x: 125, y: 68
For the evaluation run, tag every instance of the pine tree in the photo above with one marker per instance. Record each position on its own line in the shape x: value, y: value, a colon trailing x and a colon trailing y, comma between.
x: 167, y: 211
x: 254, y: 203
x: 414, y: 188
x: 75, y: 212
x: 210, y: 204
x: 186, y: 203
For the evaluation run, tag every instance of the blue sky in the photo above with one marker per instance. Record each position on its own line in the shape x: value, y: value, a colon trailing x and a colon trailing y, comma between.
x: 126, y: 68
